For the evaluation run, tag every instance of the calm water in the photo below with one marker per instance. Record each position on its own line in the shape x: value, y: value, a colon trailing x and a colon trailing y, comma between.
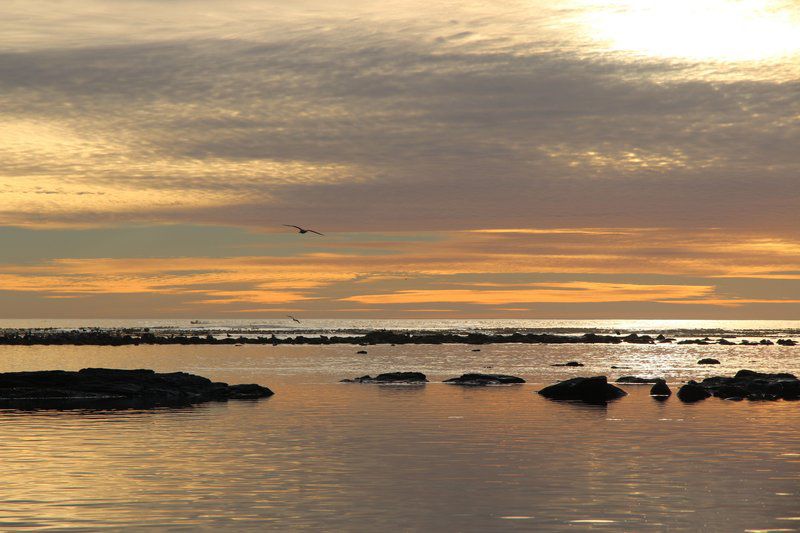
x: 678, y: 328
x: 324, y: 455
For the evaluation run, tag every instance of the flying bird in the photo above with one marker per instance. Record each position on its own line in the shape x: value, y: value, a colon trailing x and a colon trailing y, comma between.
x: 293, y: 318
x: 303, y: 230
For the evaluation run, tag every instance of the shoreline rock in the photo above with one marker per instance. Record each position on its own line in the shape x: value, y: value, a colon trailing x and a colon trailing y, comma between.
x: 391, y: 377
x: 136, y: 336
x: 590, y: 390
x: 660, y: 390
x: 635, y: 380
x: 101, y: 387
x: 485, y: 379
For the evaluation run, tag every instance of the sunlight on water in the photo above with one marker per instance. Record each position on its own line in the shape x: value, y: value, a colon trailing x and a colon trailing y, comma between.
x: 325, y: 455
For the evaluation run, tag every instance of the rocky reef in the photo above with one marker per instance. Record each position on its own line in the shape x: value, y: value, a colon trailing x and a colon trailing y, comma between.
x: 485, y: 379
x: 746, y: 384
x: 591, y: 390
x: 126, y: 337
x: 105, y: 387
x: 636, y: 380
x: 391, y: 377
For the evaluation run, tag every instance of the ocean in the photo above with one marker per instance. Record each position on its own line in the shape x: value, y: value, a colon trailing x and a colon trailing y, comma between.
x: 323, y: 455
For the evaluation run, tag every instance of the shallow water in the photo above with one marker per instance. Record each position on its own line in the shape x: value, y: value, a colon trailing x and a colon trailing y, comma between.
x: 324, y: 455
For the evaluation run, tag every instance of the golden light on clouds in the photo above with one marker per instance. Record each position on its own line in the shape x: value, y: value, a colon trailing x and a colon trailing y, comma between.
x: 715, y: 30
x: 571, y: 292
x: 47, y: 167
x: 567, y: 155
x: 459, y: 270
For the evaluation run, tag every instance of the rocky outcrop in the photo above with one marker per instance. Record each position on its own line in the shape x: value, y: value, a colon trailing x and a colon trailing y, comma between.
x: 571, y: 363
x: 391, y: 377
x: 692, y: 392
x: 660, y: 389
x: 592, y: 390
x: 754, y: 386
x: 106, y: 387
x: 708, y: 361
x: 635, y: 380
x: 136, y: 336
x: 485, y: 379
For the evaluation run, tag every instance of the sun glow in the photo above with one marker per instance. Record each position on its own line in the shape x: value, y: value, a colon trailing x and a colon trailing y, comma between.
x: 708, y: 30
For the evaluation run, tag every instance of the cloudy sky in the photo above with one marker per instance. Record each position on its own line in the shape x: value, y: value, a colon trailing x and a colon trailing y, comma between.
x: 517, y: 158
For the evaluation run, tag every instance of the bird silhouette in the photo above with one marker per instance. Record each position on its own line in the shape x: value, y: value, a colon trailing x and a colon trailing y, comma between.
x: 293, y: 318
x: 303, y: 230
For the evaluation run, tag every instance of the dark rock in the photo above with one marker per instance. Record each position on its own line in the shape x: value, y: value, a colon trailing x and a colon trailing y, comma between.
x: 730, y: 391
x: 701, y: 342
x: 634, y: 380
x: 755, y: 385
x: 708, y: 361
x: 726, y: 342
x: 660, y: 389
x: 476, y: 350
x: 391, y: 377
x: 362, y: 352
x: 117, y: 388
x: 693, y: 392
x: 633, y: 338
x: 571, y: 363
x: 786, y: 342
x: 485, y: 379
x: 593, y: 390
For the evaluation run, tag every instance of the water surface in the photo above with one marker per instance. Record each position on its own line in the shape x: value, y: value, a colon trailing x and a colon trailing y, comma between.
x: 324, y: 455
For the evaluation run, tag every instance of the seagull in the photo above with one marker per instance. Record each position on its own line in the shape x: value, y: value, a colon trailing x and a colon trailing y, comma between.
x: 303, y: 230
x: 293, y: 318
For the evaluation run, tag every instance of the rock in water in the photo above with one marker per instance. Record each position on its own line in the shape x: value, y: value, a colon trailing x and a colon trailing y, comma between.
x: 708, y: 361
x: 754, y: 386
x: 113, y: 388
x: 485, y: 379
x: 692, y: 392
x: 593, y: 390
x: 660, y: 389
x: 391, y: 377
x: 571, y: 363
x: 634, y: 380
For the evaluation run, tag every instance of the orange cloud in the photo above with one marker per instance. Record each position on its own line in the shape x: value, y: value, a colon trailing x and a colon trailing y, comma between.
x: 572, y: 292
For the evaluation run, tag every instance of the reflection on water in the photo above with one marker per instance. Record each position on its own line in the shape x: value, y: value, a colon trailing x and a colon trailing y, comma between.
x: 320, y: 454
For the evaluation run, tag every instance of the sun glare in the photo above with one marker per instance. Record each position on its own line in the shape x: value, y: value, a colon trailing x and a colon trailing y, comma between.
x: 707, y: 30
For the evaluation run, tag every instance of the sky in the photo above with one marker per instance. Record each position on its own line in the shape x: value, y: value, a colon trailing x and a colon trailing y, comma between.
x: 493, y: 159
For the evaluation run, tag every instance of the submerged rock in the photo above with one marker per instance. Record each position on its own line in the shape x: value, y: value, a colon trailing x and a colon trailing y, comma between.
x: 593, y: 390
x: 485, y: 379
x: 708, y: 361
x: 571, y: 363
x: 660, y: 389
x: 391, y: 377
x: 693, y: 392
x: 786, y: 342
x: 361, y: 352
x: 105, y: 387
x: 635, y: 380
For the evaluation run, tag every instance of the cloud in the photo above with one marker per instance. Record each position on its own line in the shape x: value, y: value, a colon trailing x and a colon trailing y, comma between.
x: 260, y: 112
x: 467, y: 271
x: 572, y: 292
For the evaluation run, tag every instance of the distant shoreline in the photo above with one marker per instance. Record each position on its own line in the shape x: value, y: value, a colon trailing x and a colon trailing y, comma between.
x: 131, y: 338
